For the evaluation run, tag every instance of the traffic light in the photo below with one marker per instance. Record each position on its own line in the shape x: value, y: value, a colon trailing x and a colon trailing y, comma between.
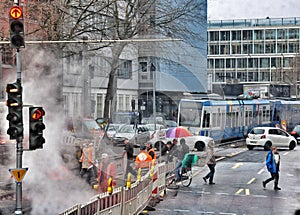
x: 36, y: 127
x: 15, y: 108
x: 16, y: 26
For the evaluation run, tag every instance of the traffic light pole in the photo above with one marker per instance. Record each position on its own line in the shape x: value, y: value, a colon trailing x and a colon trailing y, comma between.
x: 19, y: 147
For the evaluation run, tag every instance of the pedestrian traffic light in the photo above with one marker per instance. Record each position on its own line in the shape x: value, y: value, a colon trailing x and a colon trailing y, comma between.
x: 36, y: 127
x: 16, y: 26
x: 15, y: 108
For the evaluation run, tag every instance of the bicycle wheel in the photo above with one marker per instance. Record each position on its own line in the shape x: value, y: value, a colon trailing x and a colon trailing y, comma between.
x: 186, y: 178
x: 170, y: 181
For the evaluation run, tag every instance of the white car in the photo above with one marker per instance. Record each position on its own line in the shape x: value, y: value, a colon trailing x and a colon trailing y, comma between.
x: 269, y: 136
x: 195, y: 142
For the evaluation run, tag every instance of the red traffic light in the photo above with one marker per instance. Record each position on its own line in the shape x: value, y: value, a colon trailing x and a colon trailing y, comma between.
x: 37, y: 114
x: 16, y: 12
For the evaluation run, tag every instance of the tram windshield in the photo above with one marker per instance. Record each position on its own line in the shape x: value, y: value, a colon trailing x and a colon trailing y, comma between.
x: 189, y: 113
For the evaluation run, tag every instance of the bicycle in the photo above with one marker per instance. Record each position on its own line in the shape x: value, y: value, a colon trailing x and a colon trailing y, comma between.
x: 186, y: 174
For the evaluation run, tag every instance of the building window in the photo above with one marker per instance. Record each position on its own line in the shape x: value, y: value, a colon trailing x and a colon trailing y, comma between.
x: 258, y: 48
x: 247, y: 35
x: 100, y: 104
x: 264, y: 63
x: 241, y: 63
x: 219, y: 64
x: 210, y: 63
x: 213, y: 50
x: 143, y: 66
x: 214, y: 36
x: 225, y: 35
x: 7, y: 55
x: 236, y: 48
x: 236, y: 35
x: 270, y: 47
x: 121, y: 103
x: 125, y: 69
x: 247, y: 48
x: 281, y: 47
x: 258, y: 35
x: 293, y: 33
x: 281, y: 34
x: 230, y: 63
x: 270, y: 34
x: 293, y: 48
x: 225, y: 49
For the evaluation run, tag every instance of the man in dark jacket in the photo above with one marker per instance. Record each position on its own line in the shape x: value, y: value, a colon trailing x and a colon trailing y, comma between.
x: 128, y: 151
x: 273, y: 163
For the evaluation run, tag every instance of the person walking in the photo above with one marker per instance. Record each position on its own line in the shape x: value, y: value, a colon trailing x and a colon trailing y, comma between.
x: 151, y: 150
x: 87, y: 161
x: 128, y: 149
x: 107, y: 169
x: 211, y: 162
x: 273, y: 163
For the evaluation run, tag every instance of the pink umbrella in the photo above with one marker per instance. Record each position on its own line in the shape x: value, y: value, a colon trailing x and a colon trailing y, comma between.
x: 178, y: 132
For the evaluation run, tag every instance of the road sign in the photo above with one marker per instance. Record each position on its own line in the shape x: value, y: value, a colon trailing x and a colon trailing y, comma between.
x: 18, y: 174
x: 15, y: 12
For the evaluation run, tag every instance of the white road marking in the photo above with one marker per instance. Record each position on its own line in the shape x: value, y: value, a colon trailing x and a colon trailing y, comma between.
x: 223, y: 194
x: 249, y: 182
x: 180, y: 210
x: 285, y: 153
x: 205, y: 212
x: 261, y: 171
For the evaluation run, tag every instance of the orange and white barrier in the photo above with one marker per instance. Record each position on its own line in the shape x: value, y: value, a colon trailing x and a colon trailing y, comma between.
x: 127, y: 200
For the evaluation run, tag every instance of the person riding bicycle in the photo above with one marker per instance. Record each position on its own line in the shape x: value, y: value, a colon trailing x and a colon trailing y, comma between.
x: 183, y: 149
x: 188, y: 161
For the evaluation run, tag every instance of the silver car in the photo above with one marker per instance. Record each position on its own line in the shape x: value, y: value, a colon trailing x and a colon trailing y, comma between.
x: 137, y: 136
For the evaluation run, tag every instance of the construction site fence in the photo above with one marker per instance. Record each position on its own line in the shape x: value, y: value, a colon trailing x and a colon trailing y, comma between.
x: 127, y: 200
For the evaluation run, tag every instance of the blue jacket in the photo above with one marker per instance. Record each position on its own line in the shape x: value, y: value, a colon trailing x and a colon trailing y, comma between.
x: 270, y: 163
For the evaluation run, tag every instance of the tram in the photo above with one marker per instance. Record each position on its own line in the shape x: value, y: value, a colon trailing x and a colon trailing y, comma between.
x: 232, y: 119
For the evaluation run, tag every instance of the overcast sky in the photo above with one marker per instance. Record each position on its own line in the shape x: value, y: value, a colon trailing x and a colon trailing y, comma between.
x: 252, y: 9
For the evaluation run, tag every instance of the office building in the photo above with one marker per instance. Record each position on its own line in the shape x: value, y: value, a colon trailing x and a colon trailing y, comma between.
x: 259, y: 52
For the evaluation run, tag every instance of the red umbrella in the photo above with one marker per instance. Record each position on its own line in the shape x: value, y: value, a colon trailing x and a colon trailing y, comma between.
x: 178, y: 132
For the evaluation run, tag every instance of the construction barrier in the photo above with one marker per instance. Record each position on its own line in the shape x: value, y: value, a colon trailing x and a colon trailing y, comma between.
x: 124, y: 200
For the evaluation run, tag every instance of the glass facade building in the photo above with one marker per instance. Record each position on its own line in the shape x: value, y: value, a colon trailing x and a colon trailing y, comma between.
x: 254, y: 51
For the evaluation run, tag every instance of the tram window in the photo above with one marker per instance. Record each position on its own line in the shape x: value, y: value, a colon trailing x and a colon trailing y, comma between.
x: 214, y: 120
x: 206, y: 119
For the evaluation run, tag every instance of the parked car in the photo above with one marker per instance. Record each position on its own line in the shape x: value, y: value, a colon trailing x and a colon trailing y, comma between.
x: 137, y: 136
x: 269, y: 136
x: 113, y: 129
x: 296, y: 133
x: 170, y: 123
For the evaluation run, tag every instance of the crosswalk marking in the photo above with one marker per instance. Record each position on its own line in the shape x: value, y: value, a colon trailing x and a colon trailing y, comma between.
x: 247, y: 191
x: 252, y: 179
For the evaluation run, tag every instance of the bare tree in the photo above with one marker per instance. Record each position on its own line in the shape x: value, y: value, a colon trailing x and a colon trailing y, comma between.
x: 116, y: 20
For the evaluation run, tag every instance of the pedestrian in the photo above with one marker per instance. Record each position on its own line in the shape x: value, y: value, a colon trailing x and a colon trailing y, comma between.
x: 166, y: 148
x: 211, y: 162
x: 143, y: 159
x: 87, y: 161
x: 107, y: 169
x: 129, y: 149
x: 183, y: 149
x: 273, y: 163
x: 151, y: 150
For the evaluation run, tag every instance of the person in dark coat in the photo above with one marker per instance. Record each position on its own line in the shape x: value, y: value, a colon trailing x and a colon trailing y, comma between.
x: 273, y: 163
x: 128, y: 150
